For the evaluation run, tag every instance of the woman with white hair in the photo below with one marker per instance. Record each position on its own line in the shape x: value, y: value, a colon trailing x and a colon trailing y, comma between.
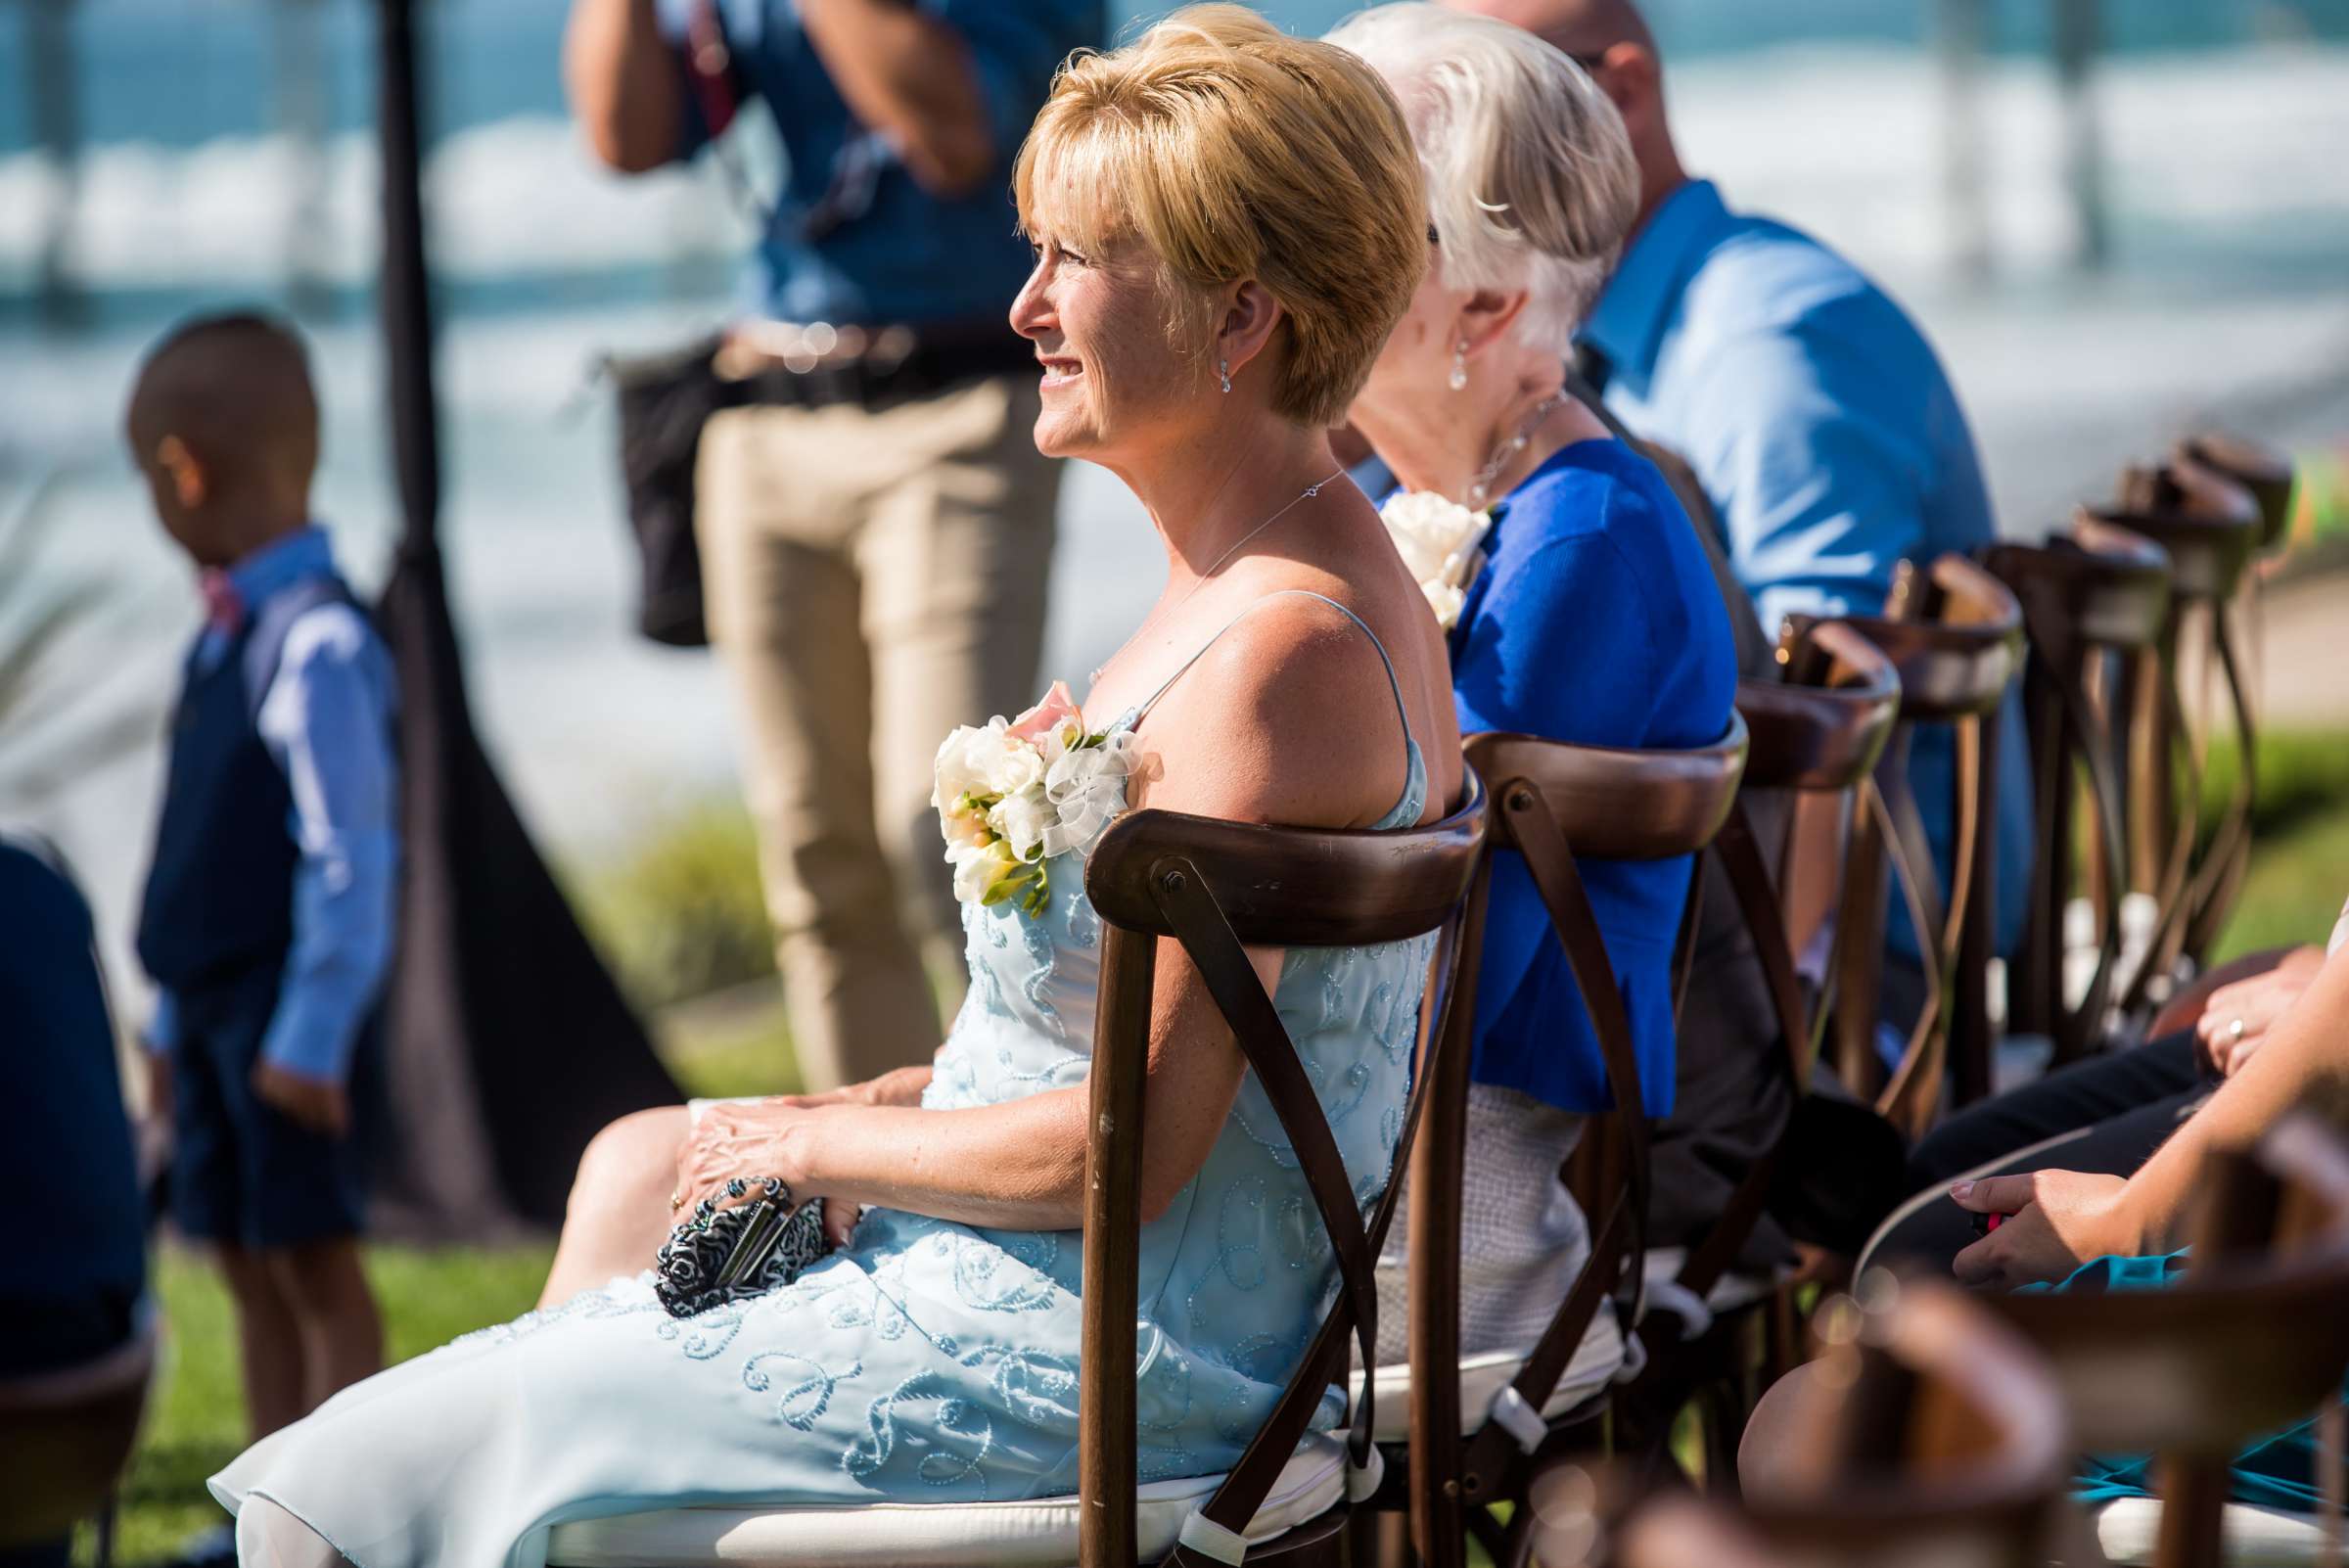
x: 1582, y: 611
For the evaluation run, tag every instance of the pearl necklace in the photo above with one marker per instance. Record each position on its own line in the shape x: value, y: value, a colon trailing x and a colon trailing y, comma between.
x: 1483, y: 484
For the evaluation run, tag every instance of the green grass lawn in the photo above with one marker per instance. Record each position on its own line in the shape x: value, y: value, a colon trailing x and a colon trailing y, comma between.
x: 196, y: 1422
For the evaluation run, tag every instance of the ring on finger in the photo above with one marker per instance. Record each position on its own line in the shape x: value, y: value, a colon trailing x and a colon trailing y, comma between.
x: 2235, y: 1031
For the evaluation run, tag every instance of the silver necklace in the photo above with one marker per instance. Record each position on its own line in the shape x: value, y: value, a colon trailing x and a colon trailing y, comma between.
x: 1483, y: 484
x: 1151, y: 620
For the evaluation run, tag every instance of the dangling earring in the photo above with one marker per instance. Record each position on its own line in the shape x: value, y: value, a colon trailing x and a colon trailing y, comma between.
x: 1459, y: 365
x: 1224, y: 373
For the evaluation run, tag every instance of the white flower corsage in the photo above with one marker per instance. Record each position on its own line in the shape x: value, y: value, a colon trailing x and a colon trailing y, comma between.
x: 1013, y: 794
x: 1438, y: 540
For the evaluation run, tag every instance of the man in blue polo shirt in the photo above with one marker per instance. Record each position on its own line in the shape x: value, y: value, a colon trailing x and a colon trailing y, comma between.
x: 876, y: 524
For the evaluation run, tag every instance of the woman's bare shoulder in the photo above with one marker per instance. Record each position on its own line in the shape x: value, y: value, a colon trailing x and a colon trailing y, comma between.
x: 1289, y: 717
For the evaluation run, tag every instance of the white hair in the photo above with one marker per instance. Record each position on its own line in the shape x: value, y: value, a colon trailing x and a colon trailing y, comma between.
x: 1531, y: 182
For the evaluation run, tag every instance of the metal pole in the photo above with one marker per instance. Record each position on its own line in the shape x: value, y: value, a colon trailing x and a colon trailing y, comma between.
x: 2078, y: 34
x: 298, y: 64
x: 1962, y: 31
x: 51, y: 92
x: 406, y: 290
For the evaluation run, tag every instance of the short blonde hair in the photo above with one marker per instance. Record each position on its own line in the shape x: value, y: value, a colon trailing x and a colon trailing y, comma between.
x: 1531, y: 179
x: 1231, y: 150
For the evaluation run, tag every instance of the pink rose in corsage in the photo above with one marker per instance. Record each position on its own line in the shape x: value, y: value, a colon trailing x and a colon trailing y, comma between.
x: 1437, y: 538
x: 1012, y: 795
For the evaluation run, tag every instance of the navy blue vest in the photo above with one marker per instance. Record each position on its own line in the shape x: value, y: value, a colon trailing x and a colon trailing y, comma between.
x: 219, y: 903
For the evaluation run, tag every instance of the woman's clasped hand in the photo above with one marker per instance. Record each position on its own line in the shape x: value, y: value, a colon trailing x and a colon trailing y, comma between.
x: 2052, y: 1222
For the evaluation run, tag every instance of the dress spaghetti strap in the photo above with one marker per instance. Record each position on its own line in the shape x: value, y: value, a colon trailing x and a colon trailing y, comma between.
x: 1414, y: 764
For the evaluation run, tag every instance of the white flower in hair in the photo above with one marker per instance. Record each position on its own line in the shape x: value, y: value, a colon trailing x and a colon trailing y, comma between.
x: 1014, y: 793
x: 1437, y: 538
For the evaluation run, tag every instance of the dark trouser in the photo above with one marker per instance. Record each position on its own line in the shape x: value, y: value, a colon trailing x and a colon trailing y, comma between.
x: 2105, y: 1116
x: 45, y: 1554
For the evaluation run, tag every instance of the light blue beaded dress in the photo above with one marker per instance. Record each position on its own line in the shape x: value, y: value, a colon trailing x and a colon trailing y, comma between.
x: 925, y: 1362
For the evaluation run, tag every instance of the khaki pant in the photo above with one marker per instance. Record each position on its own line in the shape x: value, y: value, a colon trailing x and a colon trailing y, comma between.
x: 874, y: 580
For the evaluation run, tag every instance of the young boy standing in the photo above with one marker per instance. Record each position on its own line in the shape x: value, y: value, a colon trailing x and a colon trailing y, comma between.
x: 267, y: 924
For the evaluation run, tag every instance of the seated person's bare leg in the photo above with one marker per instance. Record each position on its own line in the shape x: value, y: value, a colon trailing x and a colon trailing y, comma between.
x: 619, y: 1214
x: 268, y: 1537
x: 342, y: 1334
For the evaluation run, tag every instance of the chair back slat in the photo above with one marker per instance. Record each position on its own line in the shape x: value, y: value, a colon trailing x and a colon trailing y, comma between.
x: 1954, y: 633
x: 1299, y: 887
x: 1817, y: 732
x: 1823, y: 725
x: 2097, y: 592
x: 2205, y: 523
x: 2266, y: 473
x: 2252, y: 1339
x: 2109, y: 586
x: 1554, y: 803
x: 2209, y: 525
x: 1215, y: 888
x: 1613, y: 804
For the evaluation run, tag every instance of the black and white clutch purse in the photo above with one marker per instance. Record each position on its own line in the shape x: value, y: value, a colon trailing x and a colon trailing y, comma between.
x: 746, y: 1249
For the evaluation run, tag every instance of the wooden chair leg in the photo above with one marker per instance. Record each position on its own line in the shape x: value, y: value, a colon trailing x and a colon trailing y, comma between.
x: 1379, y: 1537
x: 2193, y: 1504
x: 1723, y: 1426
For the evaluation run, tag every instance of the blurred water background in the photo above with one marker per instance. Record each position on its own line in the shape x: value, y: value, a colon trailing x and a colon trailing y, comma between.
x: 226, y: 155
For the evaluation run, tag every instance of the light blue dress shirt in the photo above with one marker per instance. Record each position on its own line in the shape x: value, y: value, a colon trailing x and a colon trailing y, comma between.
x: 325, y: 720
x: 1822, y: 428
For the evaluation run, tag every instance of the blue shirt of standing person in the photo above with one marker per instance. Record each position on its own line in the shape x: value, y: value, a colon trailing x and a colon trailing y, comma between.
x: 884, y: 214
x: 1818, y: 422
x: 321, y: 687
x: 1595, y: 620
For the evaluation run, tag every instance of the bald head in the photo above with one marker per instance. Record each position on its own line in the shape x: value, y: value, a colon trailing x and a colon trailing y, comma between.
x: 1580, y: 28
x: 223, y: 422
x: 1610, y: 39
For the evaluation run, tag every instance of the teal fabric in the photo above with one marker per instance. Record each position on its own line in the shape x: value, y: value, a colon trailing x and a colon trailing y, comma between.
x: 2278, y: 1471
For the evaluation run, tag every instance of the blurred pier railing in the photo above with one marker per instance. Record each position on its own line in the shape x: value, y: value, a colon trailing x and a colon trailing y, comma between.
x: 50, y: 83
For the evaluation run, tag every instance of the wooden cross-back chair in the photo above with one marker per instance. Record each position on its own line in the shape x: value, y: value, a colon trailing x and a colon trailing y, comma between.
x: 1816, y: 733
x: 1553, y: 803
x: 2086, y: 596
x: 2266, y: 473
x: 64, y: 1437
x: 1218, y: 887
x: 1954, y: 635
x: 1215, y: 887
x: 2209, y: 527
x: 2255, y: 1338
x: 1927, y: 1431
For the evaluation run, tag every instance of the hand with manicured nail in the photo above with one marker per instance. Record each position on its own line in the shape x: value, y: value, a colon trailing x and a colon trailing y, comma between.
x: 2052, y: 1221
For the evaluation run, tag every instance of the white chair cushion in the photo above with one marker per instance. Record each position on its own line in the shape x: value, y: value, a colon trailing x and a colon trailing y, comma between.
x: 1729, y: 1293
x: 2254, y: 1538
x: 1484, y: 1376
x: 1041, y: 1534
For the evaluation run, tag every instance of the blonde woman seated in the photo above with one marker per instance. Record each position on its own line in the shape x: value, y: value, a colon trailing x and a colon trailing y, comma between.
x: 1590, y: 614
x: 1227, y: 223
